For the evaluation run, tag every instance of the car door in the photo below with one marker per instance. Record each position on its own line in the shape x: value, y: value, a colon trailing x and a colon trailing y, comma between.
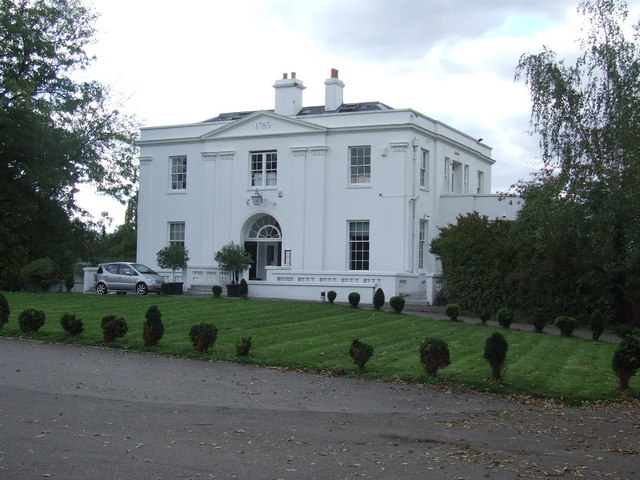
x: 127, y: 277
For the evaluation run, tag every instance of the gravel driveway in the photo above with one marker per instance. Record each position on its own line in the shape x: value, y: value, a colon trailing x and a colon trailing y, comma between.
x: 89, y: 413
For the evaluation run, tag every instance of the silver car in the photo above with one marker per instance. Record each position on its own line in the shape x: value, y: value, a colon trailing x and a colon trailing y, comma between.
x: 123, y: 277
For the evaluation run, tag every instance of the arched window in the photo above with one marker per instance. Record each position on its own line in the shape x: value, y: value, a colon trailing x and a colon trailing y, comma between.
x: 265, y: 228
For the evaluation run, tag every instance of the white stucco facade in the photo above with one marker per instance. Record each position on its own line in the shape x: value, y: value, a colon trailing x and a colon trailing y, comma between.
x: 341, y: 197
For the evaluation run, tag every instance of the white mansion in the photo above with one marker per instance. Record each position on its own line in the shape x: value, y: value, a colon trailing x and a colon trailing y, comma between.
x: 342, y: 196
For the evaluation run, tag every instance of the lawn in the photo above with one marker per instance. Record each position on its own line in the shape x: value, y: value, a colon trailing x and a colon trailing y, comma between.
x: 316, y: 337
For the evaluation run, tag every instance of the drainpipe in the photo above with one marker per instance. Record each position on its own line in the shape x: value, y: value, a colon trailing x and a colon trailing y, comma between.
x: 413, y: 200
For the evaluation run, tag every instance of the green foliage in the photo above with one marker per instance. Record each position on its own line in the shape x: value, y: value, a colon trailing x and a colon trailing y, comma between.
x: 243, y: 347
x: 566, y: 325
x: 434, y: 355
x: 40, y: 272
x: 233, y: 258
x: 360, y: 352
x: 485, y: 315
x: 597, y: 324
x: 175, y: 256
x: 217, y: 291
x: 378, y: 299
x: 397, y: 303
x: 495, y: 352
x: 453, y: 311
x: 203, y: 336
x: 57, y: 131
x: 5, y: 310
x: 539, y: 321
x: 354, y: 299
x: 504, y: 317
x: 626, y: 360
x: 71, y: 324
x: 244, y: 288
x: 69, y: 282
x: 31, y: 320
x: 331, y: 296
x: 477, y: 259
x: 113, y: 327
x: 153, y: 327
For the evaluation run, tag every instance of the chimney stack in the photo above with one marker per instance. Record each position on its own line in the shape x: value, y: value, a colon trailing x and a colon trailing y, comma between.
x: 333, y: 92
x: 288, y: 95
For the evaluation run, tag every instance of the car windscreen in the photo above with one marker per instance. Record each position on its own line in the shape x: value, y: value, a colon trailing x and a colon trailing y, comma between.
x: 144, y: 269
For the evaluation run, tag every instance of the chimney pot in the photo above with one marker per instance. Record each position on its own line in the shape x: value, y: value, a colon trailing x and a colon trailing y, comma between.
x: 334, y: 73
x: 285, y: 76
x: 293, y: 74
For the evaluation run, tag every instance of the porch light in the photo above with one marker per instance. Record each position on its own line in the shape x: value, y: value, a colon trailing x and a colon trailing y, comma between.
x: 256, y: 198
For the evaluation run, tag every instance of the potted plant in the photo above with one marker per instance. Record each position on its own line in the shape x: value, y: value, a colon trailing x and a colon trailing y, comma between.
x: 174, y: 256
x: 234, y: 259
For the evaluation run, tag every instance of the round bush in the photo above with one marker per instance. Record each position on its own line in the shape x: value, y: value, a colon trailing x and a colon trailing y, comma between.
x: 378, y: 299
x: 434, y: 354
x: 360, y: 352
x: 71, y: 324
x: 331, y: 296
x: 485, y: 315
x: 203, y: 336
x: 504, y: 316
x: 626, y: 360
x: 397, y: 303
x: 113, y: 327
x: 153, y: 327
x: 217, y: 291
x: 354, y: 299
x: 30, y: 320
x: 243, y: 347
x: 453, y: 311
x: 5, y: 311
x: 566, y: 325
x: 495, y: 352
x: 539, y: 322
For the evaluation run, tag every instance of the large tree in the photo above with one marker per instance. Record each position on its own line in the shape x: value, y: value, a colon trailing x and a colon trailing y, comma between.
x: 55, y: 131
x: 588, y: 118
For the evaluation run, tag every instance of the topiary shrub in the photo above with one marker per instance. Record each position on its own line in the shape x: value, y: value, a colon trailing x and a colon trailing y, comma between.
x: 485, y: 315
x: 243, y: 347
x: 566, y: 325
x: 539, y: 322
x: 360, y: 352
x: 69, y: 282
x: 453, y: 311
x: 623, y: 331
x: 113, y: 327
x: 244, y: 288
x: 354, y: 299
x: 203, y: 336
x: 378, y: 299
x: 597, y: 324
x: 71, y: 324
x: 626, y: 360
x: 39, y: 274
x: 331, y: 296
x: 434, y: 354
x: 153, y: 328
x: 5, y: 310
x: 30, y: 320
x: 495, y: 352
x: 217, y: 291
x: 397, y: 303
x: 504, y: 316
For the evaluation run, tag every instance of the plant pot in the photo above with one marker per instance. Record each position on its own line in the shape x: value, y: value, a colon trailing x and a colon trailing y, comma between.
x: 233, y: 289
x: 172, y: 288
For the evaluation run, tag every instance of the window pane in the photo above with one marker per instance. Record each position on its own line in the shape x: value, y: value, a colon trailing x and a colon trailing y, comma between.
x: 176, y: 232
x: 360, y: 164
x: 179, y: 173
x: 359, y: 245
x: 264, y: 169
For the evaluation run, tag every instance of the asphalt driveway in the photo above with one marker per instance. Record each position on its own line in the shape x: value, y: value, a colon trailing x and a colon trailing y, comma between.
x: 89, y: 413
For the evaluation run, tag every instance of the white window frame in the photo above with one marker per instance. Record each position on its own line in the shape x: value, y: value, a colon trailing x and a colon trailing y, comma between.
x: 422, y: 243
x: 465, y: 180
x: 358, y: 245
x: 178, y: 172
x: 263, y: 169
x: 423, y: 174
x: 176, y: 233
x: 360, y: 165
x: 480, y: 182
x: 447, y: 175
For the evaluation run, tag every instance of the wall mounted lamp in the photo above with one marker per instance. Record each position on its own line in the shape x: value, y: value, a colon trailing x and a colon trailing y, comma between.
x: 256, y: 198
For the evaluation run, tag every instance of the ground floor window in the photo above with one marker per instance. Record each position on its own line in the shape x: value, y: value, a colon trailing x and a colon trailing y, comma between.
x: 176, y: 233
x: 422, y: 243
x: 359, y: 245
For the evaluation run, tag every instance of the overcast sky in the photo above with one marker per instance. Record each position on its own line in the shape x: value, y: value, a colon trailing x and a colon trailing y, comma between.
x: 452, y: 60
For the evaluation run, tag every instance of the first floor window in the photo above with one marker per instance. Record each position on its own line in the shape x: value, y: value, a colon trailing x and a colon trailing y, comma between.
x: 480, y: 182
x: 264, y: 169
x: 176, y: 233
x: 422, y: 243
x: 424, y: 169
x: 359, y: 245
x: 359, y: 165
x: 179, y: 173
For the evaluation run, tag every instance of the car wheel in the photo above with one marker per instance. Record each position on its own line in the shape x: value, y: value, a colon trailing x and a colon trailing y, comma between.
x: 101, y: 289
x: 141, y: 289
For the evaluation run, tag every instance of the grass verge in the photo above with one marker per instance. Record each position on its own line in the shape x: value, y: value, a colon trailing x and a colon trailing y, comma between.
x: 316, y: 337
